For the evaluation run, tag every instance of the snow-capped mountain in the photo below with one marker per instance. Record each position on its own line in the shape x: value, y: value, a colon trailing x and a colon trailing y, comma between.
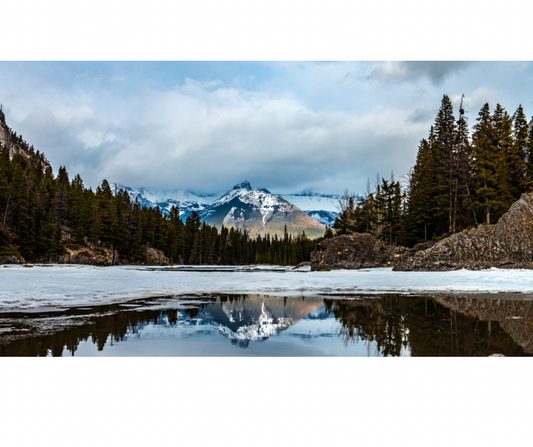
x: 238, y: 191
x: 259, y: 212
x: 256, y: 210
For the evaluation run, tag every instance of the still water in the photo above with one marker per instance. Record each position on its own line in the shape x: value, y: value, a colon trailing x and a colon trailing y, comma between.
x: 260, y: 325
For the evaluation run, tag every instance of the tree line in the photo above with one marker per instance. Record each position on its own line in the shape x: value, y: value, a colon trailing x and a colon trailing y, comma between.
x: 462, y: 178
x: 43, y: 214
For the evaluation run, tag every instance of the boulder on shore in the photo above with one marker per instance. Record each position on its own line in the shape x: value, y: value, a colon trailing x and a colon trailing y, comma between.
x: 155, y: 257
x: 506, y: 244
x: 353, y: 251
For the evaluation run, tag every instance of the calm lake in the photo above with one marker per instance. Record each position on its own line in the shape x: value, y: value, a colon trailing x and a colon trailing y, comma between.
x: 259, y: 325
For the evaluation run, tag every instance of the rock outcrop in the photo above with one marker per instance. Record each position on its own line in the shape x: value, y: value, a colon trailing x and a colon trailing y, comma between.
x: 353, y: 251
x: 155, y: 257
x: 506, y: 244
x: 89, y: 255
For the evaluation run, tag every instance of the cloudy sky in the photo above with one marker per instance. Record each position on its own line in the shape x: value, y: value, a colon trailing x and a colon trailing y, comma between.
x: 205, y: 126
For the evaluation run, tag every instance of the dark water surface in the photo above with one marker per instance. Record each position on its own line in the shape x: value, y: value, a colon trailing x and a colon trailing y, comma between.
x: 259, y: 325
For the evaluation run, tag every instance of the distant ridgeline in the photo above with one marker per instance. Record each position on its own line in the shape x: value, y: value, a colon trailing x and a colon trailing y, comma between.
x: 47, y: 218
x: 459, y: 180
x: 257, y: 210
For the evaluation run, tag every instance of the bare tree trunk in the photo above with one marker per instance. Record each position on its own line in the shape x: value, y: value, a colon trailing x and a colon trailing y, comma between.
x: 450, y: 193
x: 454, y: 221
x: 471, y: 202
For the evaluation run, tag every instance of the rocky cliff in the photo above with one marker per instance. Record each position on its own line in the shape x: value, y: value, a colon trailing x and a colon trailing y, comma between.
x: 14, y: 142
x: 5, y: 134
x: 506, y: 244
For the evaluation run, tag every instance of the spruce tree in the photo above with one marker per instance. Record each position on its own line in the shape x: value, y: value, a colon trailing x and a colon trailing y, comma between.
x: 465, y: 212
x: 421, y: 198
x: 520, y: 134
x: 509, y: 172
x: 445, y: 158
x: 486, y: 160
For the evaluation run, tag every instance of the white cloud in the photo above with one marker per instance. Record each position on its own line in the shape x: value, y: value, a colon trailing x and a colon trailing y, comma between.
x: 208, y: 138
x: 320, y: 126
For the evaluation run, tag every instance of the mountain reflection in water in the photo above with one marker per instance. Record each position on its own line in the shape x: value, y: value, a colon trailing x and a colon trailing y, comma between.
x: 384, y: 325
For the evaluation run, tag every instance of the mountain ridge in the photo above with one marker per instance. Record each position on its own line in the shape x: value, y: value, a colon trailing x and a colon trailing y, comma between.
x: 321, y: 207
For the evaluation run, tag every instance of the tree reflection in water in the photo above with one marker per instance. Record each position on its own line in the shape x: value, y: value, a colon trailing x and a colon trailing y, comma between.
x: 101, y: 329
x: 395, y: 324
x: 427, y: 327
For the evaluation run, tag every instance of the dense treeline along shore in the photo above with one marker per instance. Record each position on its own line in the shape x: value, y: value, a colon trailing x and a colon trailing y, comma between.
x: 461, y: 180
x: 50, y: 218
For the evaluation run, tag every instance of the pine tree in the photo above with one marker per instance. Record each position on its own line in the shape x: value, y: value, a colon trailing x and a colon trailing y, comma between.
x: 421, y: 198
x: 519, y: 151
x: 444, y: 154
x: 509, y: 165
x: 465, y: 213
x: 486, y: 161
x: 529, y: 158
x: 57, y: 247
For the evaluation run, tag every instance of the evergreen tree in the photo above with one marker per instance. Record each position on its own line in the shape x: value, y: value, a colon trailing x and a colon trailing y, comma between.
x: 421, y: 199
x: 519, y: 153
x: 465, y: 212
x: 486, y: 160
x: 444, y: 152
x: 509, y: 172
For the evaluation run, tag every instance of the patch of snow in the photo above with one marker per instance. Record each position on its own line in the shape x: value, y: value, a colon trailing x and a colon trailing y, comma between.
x: 237, y: 191
x: 77, y: 285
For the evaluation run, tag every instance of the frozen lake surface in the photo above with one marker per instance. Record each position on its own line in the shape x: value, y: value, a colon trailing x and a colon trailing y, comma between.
x: 59, y: 286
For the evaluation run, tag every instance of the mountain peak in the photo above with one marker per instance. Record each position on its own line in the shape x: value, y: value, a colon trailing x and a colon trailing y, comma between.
x: 243, y: 185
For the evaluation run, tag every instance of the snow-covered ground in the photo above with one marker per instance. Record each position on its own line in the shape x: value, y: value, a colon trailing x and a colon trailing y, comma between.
x: 75, y: 285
